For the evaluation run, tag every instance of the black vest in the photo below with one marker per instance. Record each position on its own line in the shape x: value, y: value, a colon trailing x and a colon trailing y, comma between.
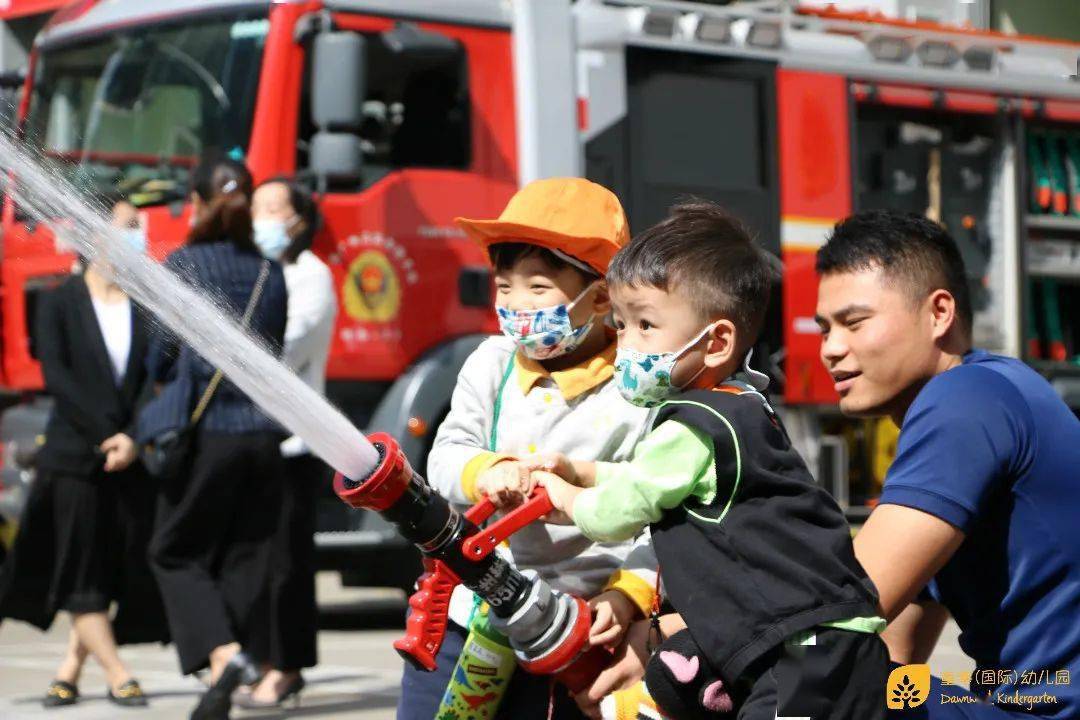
x: 771, y: 555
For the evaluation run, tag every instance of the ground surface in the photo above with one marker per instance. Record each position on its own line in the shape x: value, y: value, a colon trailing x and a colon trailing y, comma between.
x: 357, y: 678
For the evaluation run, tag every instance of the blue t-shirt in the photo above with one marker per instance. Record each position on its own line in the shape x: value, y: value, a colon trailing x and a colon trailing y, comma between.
x: 990, y: 448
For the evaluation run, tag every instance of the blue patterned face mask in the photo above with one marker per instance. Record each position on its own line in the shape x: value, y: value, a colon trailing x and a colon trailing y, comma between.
x: 644, y: 379
x: 545, y: 333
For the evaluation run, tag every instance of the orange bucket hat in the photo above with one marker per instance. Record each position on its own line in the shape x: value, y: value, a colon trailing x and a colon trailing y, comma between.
x: 571, y: 216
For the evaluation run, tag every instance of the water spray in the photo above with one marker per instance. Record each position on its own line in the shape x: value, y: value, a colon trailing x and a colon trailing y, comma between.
x: 547, y: 628
x: 208, y: 327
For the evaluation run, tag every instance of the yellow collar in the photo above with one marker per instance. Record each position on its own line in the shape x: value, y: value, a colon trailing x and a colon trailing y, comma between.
x: 572, y: 381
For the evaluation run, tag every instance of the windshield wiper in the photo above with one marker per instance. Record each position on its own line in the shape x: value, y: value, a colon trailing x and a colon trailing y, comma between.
x: 200, y: 71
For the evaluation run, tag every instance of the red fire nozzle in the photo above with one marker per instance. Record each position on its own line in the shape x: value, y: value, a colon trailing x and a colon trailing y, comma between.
x: 386, y: 483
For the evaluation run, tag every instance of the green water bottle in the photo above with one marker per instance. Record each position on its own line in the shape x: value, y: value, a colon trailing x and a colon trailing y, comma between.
x: 482, y: 673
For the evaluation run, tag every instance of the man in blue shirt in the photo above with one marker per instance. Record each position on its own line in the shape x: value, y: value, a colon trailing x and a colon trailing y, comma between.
x: 980, y: 513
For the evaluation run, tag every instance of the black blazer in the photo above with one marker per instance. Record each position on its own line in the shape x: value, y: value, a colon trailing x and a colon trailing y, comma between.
x: 89, y: 406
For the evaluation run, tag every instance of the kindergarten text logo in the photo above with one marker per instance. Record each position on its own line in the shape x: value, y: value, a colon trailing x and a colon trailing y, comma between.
x: 908, y: 687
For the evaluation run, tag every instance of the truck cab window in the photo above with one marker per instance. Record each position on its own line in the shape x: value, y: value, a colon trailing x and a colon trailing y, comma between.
x: 135, y: 110
x: 415, y: 113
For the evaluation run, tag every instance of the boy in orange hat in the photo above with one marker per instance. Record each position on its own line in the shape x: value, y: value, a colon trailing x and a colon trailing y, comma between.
x: 545, y: 385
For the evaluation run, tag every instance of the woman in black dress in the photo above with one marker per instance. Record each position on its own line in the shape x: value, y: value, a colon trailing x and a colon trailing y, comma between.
x: 211, y: 549
x: 87, y: 521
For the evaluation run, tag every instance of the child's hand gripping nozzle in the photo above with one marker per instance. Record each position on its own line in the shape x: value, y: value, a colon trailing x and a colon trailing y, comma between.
x: 548, y: 629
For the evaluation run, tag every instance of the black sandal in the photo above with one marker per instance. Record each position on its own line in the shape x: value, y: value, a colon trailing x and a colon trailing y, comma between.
x: 129, y: 694
x: 216, y: 702
x: 59, y: 694
x: 292, y: 691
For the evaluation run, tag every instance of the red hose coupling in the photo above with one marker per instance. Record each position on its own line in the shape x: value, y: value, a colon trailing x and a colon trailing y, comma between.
x: 386, y: 483
x: 562, y: 655
x: 582, y: 672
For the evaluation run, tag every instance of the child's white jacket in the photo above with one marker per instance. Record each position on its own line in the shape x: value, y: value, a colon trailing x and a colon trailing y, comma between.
x: 578, y: 412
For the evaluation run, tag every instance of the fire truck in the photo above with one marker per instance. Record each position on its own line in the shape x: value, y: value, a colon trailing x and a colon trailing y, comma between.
x: 402, y: 114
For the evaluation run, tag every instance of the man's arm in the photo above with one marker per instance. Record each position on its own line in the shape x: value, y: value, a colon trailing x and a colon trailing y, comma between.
x: 901, y: 549
x: 911, y: 637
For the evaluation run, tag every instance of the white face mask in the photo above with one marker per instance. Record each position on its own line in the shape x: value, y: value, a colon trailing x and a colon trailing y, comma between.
x: 644, y: 379
x: 135, y: 238
x: 272, y: 237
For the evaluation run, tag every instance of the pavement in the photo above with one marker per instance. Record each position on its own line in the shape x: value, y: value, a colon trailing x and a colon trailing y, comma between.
x: 357, y: 677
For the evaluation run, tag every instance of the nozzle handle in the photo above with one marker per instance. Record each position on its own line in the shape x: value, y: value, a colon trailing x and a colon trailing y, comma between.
x: 483, y: 543
x: 426, y: 626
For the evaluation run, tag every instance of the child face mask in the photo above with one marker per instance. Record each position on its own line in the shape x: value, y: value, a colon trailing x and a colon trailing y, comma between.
x: 548, y: 332
x: 644, y: 379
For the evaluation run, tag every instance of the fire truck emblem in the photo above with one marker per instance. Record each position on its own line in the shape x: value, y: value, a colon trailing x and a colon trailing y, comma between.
x: 372, y: 290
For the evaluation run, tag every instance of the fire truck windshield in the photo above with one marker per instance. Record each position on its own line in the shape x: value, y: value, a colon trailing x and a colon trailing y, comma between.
x: 134, y: 110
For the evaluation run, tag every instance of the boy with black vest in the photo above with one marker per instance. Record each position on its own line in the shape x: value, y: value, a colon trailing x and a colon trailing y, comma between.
x: 756, y: 558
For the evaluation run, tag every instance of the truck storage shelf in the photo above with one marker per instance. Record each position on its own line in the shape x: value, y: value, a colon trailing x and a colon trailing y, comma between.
x: 1069, y: 390
x: 1055, y: 271
x: 1056, y: 368
x: 1059, y: 223
x: 1064, y: 377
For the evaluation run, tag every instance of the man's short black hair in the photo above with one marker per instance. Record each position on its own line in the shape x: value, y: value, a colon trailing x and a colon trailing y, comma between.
x: 910, y: 249
x: 505, y: 255
x: 707, y: 255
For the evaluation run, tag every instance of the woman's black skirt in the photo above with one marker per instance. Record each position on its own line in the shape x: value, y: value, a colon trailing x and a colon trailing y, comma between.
x: 80, y: 547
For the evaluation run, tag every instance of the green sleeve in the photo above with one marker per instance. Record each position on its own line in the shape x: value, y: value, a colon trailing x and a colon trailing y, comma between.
x: 670, y: 464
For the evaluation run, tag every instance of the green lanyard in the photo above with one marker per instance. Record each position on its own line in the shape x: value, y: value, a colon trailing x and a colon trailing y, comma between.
x: 498, y: 405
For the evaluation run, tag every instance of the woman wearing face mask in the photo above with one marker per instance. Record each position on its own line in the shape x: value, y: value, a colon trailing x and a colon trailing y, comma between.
x: 285, y: 220
x: 86, y: 524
